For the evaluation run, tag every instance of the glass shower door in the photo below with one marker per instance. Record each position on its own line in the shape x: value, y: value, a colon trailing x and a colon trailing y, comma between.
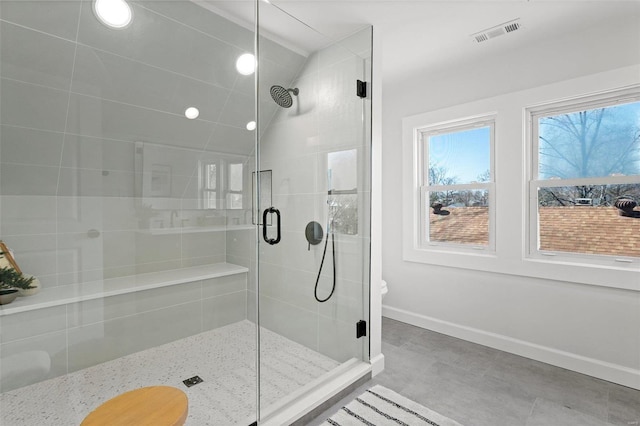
x: 125, y: 189
x: 314, y: 157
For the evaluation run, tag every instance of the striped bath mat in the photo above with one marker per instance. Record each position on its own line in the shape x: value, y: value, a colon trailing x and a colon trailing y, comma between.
x: 380, y: 406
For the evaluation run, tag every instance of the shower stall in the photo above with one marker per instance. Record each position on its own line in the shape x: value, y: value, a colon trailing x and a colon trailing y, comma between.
x: 189, y: 183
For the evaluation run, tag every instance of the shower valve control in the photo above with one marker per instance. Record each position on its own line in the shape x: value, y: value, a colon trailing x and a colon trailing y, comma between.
x: 314, y: 234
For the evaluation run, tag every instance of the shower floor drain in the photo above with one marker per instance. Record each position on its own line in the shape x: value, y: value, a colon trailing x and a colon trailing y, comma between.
x: 192, y: 381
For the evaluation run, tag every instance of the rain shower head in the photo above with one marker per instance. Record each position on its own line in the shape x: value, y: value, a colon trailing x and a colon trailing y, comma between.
x: 282, y: 97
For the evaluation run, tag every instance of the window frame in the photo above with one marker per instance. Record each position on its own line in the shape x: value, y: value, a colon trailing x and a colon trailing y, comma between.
x: 424, y: 187
x: 532, y: 115
x: 204, y: 190
x: 228, y: 191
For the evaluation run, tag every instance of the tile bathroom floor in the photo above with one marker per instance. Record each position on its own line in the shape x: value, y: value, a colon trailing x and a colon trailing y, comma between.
x: 480, y: 386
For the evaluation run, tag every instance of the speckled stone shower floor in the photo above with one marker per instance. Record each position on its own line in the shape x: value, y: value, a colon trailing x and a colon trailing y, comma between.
x: 224, y: 358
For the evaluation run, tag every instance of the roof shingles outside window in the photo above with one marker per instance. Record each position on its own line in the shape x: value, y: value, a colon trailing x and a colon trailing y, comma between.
x: 461, y: 225
x: 574, y: 229
x: 589, y: 230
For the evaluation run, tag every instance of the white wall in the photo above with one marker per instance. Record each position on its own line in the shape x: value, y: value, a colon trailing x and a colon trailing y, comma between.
x: 587, y: 328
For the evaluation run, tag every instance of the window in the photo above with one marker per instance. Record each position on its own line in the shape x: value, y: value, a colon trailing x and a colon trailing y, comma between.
x: 457, y: 188
x: 210, y: 185
x: 222, y: 184
x: 585, y: 179
x: 235, y: 179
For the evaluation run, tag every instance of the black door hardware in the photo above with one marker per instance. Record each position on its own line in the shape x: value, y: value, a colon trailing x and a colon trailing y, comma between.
x: 276, y: 240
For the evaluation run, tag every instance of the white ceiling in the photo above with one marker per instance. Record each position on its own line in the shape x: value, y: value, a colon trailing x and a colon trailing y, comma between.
x: 426, y: 35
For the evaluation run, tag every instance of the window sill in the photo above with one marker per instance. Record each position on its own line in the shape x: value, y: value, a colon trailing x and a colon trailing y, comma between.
x: 457, y: 249
x: 624, y: 277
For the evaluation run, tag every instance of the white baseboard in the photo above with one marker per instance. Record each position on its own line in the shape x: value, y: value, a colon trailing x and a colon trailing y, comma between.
x: 377, y: 364
x: 589, y: 366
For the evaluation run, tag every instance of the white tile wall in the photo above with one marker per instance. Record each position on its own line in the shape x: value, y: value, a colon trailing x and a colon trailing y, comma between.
x: 224, y: 310
x: 36, y: 254
x: 289, y: 320
x: 27, y: 324
x: 238, y: 110
x: 116, y: 78
x: 326, y: 117
x: 209, y: 23
x: 100, y: 118
x: 230, y: 139
x: 26, y: 179
x: 112, y: 327
x: 52, y: 17
x: 85, y: 152
x: 336, y: 339
x: 54, y: 344
x: 28, y: 146
x: 33, y: 106
x: 166, y: 44
x: 24, y: 215
x: 34, y: 57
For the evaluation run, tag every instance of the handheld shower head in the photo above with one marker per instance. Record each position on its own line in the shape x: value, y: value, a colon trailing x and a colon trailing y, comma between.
x: 282, y: 96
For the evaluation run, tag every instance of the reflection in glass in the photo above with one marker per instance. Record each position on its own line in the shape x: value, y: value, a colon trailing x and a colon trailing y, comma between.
x: 265, y: 196
x: 234, y: 192
x: 161, y: 180
x: 343, y: 213
x: 342, y: 175
x: 209, y: 190
x: 592, y: 143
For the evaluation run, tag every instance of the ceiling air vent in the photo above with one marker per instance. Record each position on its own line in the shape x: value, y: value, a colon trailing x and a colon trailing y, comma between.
x: 497, y: 31
x: 481, y: 37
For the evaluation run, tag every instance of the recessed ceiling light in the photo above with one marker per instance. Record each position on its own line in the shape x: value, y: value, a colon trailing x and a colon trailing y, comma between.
x: 191, y: 113
x: 113, y: 13
x: 251, y: 125
x: 246, y: 64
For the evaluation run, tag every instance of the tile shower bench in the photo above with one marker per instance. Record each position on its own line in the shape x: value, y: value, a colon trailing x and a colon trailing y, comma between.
x: 68, y: 328
x: 63, y: 295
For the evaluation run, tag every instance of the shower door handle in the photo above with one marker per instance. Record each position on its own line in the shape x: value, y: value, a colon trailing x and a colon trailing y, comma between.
x: 276, y: 240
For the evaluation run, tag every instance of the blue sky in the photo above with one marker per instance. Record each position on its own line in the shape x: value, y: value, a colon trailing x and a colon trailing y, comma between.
x: 465, y: 154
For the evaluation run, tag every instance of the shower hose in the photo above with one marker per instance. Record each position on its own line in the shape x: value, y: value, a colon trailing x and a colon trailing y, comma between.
x: 333, y: 286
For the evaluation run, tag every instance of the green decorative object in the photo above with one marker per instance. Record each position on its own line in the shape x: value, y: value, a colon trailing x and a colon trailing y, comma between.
x: 10, y: 278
